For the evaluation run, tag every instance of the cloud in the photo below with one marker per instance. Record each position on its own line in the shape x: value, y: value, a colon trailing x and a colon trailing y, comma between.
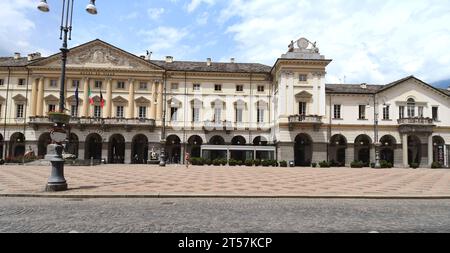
x: 131, y: 15
x: 165, y: 40
x: 155, y: 13
x: 16, y: 26
x: 194, y: 4
x: 369, y: 41
x: 202, y: 19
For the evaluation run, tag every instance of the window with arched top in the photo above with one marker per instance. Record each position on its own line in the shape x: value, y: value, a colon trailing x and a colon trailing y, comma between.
x: 411, y: 108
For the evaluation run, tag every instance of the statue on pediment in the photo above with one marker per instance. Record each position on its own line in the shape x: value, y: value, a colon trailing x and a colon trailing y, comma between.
x: 99, y: 57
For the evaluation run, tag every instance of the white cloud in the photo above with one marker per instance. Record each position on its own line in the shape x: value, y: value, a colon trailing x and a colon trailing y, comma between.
x: 155, y: 13
x: 369, y: 41
x: 203, y: 18
x: 194, y: 4
x: 131, y: 15
x: 166, y: 40
x: 16, y: 27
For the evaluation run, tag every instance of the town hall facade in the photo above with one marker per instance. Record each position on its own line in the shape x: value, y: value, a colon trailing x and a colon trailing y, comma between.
x: 125, y: 107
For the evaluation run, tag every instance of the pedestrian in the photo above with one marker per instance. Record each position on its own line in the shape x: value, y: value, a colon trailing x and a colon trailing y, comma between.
x: 187, y: 158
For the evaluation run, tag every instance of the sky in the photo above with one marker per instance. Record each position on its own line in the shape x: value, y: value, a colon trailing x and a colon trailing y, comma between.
x: 371, y: 41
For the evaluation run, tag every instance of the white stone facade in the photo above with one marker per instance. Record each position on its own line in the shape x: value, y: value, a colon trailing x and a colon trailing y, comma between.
x: 283, y: 112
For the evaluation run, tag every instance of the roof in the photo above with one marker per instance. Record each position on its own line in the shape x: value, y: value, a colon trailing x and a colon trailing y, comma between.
x: 214, y: 67
x: 11, y: 62
x: 374, y: 88
x: 353, y: 88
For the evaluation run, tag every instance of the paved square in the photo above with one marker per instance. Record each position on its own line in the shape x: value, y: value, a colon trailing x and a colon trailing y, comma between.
x: 154, y: 181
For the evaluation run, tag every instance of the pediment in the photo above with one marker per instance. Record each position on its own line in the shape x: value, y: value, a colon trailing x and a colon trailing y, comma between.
x: 303, y: 94
x: 98, y: 54
x: 51, y: 98
x: 119, y: 100
x: 73, y: 99
x: 142, y: 100
x: 19, y: 97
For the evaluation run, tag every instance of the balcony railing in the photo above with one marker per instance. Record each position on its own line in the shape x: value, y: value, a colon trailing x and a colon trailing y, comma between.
x: 75, y: 121
x: 309, y: 119
x: 416, y: 121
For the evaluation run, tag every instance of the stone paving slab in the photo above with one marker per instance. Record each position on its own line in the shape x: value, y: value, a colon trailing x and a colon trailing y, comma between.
x: 178, y: 181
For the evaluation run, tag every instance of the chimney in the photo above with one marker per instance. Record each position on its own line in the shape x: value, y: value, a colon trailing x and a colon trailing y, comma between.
x: 169, y: 59
x: 208, y: 61
x: 364, y: 86
x: 34, y: 56
x: 16, y: 56
x: 232, y: 60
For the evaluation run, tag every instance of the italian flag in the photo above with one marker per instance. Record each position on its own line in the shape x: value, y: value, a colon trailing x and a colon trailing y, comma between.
x: 91, y: 99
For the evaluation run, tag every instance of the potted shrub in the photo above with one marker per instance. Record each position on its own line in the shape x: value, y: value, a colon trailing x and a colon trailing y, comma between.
x: 414, y: 165
x: 2, y: 162
x: 249, y: 163
x: 239, y: 163
x: 357, y: 164
x: 314, y: 165
x: 223, y: 162
x: 324, y: 164
x: 385, y: 164
x: 283, y: 164
x: 257, y: 162
x: 208, y: 162
x: 232, y: 162
x: 265, y: 163
x: 216, y: 162
x: 436, y: 165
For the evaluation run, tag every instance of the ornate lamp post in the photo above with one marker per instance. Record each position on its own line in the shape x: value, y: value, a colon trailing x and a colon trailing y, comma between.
x: 56, y: 181
x: 377, y: 142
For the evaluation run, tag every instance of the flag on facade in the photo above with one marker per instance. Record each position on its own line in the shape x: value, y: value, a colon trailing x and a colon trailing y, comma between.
x: 76, y: 96
x: 91, y: 99
x: 102, y: 101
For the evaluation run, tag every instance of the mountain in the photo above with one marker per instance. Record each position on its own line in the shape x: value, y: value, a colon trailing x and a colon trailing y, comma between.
x: 442, y: 84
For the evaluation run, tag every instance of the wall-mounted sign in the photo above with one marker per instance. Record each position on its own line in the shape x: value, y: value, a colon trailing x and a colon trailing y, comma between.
x: 97, y: 73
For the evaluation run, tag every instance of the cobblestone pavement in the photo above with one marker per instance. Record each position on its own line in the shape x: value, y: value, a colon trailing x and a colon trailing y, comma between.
x: 133, y: 180
x: 194, y: 215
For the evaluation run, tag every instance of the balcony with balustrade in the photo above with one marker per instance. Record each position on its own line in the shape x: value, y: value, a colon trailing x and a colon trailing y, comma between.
x: 304, y: 120
x: 416, y: 125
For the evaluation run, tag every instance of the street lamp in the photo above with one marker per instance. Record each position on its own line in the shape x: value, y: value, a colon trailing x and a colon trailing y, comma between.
x: 56, y: 181
x: 377, y: 144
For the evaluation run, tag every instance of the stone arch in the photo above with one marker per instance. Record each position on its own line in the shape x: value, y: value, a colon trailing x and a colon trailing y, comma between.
x: 217, y: 140
x: 116, y: 149
x: 387, y: 148
x: 362, y: 147
x: 43, y: 141
x: 438, y: 150
x: 139, y: 149
x: 173, y: 149
x: 338, y: 149
x: 238, y: 140
x: 17, y: 145
x: 93, y: 147
x: 194, y: 146
x: 303, y: 148
x: 260, y: 141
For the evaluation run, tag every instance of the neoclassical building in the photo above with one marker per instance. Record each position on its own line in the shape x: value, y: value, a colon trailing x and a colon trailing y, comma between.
x: 124, y: 106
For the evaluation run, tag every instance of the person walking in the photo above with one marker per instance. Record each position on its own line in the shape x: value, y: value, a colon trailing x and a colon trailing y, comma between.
x: 187, y: 158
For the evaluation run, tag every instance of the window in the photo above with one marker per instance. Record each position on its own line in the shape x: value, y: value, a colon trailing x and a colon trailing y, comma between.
x: 302, y: 78
x: 260, y: 88
x: 420, y: 111
x: 74, y: 111
x: 174, y: 86
x: 143, y: 85
x: 174, y: 113
x: 21, y: 82
x: 401, y: 112
x: 218, y: 87
x: 19, y: 111
x: 435, y: 112
x: 98, y: 84
x: 196, y: 87
x: 120, y: 85
x: 386, y: 115
x: 75, y: 83
x: 97, y: 111
x: 411, y: 108
x: 302, y: 108
x: 2, y: 82
x: 239, y: 114
x: 195, y: 114
x: 217, y: 115
x: 53, y: 83
x: 337, y: 111
x: 239, y: 88
x: 260, y: 115
x: 119, y: 112
x: 51, y: 108
x: 362, y: 112
x: 142, y: 112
